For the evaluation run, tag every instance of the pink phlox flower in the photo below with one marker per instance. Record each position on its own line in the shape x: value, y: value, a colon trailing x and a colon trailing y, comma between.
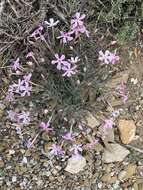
x: 30, y: 54
x: 113, y: 58
x: 108, y: 123
x: 69, y: 70
x: 108, y: 57
x: 65, y: 36
x: 51, y: 23
x: 13, y: 116
x: 77, y: 20
x: 37, y: 34
x: 104, y: 57
x: 45, y: 126
x: 76, y: 149
x: 27, y: 77
x: 11, y: 88
x: 16, y: 64
x: 80, y: 30
x: 18, y: 86
x: 9, y: 96
x: 57, y: 150
x: 60, y: 61
x: 92, y: 144
x: 68, y: 137
x: 74, y: 60
x: 122, y: 92
x: 24, y: 117
x: 26, y: 89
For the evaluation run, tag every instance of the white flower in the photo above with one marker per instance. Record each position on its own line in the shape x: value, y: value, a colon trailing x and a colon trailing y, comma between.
x: 51, y: 22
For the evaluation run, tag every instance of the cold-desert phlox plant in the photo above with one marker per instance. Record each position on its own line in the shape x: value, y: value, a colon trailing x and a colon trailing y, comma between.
x: 65, y: 64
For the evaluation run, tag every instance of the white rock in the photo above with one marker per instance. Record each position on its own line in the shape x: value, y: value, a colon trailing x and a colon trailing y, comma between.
x: 11, y: 152
x: 75, y: 164
x: 117, y: 153
x: 24, y: 161
x: 14, y: 179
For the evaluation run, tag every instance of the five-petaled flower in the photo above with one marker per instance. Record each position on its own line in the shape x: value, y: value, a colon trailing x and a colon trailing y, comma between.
x: 51, y: 23
x: 45, y: 126
x: 24, y: 117
x: 13, y: 116
x: 76, y: 148
x: 74, y: 60
x: 26, y: 89
x: 77, y: 25
x: 108, y: 57
x: 65, y: 36
x: 60, y: 61
x: 77, y: 20
x: 37, y: 34
x: 69, y: 70
x: 68, y: 137
x: 80, y: 30
x: 113, y: 58
x: 18, y: 86
x: 16, y: 64
x: 27, y: 78
x: 56, y: 150
x: 104, y: 57
x: 108, y: 123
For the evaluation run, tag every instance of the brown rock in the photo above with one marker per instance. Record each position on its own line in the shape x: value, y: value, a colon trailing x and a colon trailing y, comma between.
x: 128, y: 172
x: 116, y: 153
x: 106, y: 178
x: 90, y: 120
x: 127, y: 130
x: 113, y: 179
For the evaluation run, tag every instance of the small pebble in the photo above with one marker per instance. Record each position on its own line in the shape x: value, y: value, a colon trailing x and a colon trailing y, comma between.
x: 14, y: 179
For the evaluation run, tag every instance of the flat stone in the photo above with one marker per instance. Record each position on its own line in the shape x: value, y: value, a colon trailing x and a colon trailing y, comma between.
x: 117, y: 153
x: 90, y: 120
x: 127, y: 130
x: 106, y: 178
x: 75, y: 164
x: 128, y: 172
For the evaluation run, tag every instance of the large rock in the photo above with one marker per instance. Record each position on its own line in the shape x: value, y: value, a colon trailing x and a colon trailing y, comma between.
x: 127, y: 130
x: 116, y: 153
x: 75, y: 164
